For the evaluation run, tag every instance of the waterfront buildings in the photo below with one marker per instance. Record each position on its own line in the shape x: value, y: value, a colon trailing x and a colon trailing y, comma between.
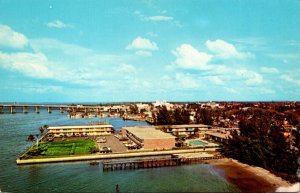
x: 219, y: 134
x: 80, y: 130
x: 149, y: 138
x: 184, y: 130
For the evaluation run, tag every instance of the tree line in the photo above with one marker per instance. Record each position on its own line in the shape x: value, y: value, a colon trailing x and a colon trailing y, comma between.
x: 261, y: 142
x: 179, y: 116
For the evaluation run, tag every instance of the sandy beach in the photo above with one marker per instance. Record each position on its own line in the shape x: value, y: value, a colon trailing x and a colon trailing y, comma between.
x: 248, y: 178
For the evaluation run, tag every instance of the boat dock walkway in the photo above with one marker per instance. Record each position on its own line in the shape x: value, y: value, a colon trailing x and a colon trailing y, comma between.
x: 153, y: 163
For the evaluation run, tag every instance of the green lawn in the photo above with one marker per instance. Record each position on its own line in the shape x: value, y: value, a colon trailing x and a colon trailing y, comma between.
x: 64, y: 148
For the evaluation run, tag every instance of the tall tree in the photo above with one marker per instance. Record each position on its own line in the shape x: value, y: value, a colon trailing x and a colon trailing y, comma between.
x: 261, y: 142
x: 163, y: 116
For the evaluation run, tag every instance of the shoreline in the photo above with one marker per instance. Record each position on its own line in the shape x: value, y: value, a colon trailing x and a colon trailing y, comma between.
x: 247, y: 178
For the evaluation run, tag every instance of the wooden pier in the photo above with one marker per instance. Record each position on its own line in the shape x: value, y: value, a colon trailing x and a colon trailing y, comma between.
x: 153, y: 163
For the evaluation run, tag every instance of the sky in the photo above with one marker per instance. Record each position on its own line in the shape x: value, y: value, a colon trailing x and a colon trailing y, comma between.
x: 144, y: 50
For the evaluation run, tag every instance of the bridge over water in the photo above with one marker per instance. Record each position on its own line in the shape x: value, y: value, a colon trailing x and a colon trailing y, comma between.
x: 25, y: 108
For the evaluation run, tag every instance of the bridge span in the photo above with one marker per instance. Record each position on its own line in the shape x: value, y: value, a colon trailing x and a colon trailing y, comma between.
x: 25, y: 108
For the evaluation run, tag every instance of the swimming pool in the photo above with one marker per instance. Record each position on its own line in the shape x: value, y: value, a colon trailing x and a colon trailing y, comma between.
x: 196, y: 143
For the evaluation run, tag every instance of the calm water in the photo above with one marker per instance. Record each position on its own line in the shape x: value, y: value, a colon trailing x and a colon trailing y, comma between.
x: 80, y: 176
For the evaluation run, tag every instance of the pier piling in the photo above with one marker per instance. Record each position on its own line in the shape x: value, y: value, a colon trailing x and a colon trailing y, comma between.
x: 153, y: 163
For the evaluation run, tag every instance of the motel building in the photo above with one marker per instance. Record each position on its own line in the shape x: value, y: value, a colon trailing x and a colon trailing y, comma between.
x: 185, y: 130
x: 80, y: 130
x: 149, y: 138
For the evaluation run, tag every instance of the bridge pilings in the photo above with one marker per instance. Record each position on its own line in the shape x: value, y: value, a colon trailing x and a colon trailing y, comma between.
x: 12, y: 109
x: 37, y: 109
x: 49, y: 110
x: 25, y: 109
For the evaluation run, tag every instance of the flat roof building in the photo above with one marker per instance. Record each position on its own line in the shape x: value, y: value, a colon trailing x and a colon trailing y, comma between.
x: 220, y: 134
x: 80, y: 130
x: 150, y: 138
x: 184, y: 130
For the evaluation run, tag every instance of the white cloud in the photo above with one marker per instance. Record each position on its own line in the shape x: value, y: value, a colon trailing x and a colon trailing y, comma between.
x: 186, y: 81
x: 30, y: 64
x: 160, y: 18
x: 225, y: 50
x: 126, y: 68
x: 267, y: 91
x: 287, y: 77
x: 251, y: 77
x: 231, y: 90
x: 290, y: 78
x: 143, y: 53
x: 152, y: 34
x: 269, y: 70
x: 142, y: 44
x: 12, y: 39
x: 216, y: 80
x: 57, y: 24
x: 190, y: 58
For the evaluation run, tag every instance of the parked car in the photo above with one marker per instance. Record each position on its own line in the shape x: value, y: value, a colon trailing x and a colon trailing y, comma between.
x: 105, y: 150
x: 101, y: 140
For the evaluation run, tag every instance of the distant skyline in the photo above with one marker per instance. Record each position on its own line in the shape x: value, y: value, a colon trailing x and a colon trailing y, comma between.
x: 173, y: 50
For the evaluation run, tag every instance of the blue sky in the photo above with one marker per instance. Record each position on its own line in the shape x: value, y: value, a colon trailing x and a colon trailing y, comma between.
x: 110, y: 51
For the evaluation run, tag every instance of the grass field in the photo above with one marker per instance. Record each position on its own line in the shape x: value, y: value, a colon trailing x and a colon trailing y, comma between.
x: 64, y: 148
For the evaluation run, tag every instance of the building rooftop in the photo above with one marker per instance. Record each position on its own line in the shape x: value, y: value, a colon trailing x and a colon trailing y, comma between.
x: 185, y: 126
x: 220, y: 135
x: 148, y: 133
x: 79, y: 127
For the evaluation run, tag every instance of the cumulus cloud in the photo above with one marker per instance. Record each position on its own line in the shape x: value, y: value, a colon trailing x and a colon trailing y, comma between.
x: 269, y: 70
x: 57, y: 24
x: 225, y: 50
x: 142, y: 43
x: 251, y: 77
x: 10, y: 38
x: 189, y: 57
x: 30, y: 64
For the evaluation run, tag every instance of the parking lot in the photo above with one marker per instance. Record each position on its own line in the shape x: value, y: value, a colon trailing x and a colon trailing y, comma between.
x: 113, y: 143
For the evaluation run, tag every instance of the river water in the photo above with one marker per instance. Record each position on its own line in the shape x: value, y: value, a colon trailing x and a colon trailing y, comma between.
x: 80, y: 176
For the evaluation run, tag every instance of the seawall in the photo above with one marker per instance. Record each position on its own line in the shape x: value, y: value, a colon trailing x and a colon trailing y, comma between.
x: 99, y: 156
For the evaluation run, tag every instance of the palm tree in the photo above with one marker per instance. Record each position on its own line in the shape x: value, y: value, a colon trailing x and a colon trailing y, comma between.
x: 41, y: 129
x: 30, y: 138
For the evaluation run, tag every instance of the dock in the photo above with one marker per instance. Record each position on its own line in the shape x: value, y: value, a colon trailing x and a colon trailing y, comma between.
x: 154, y: 163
